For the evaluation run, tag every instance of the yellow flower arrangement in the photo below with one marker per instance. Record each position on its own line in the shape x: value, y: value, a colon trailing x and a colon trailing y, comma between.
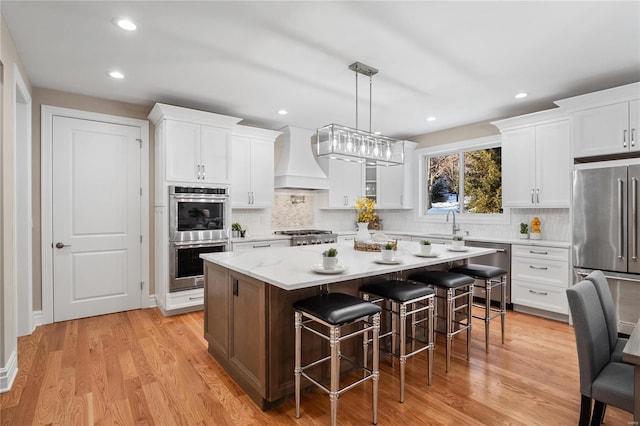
x: 365, y: 209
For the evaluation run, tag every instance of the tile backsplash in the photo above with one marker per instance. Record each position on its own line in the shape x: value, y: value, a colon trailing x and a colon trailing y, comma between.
x: 295, y: 208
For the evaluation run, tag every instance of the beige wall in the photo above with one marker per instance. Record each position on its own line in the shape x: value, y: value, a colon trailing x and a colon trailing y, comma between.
x: 85, y: 103
x: 8, y: 56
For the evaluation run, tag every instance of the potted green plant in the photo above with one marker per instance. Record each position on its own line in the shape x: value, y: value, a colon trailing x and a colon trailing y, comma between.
x: 524, y: 231
x: 387, y: 251
x: 235, y: 229
x: 458, y: 241
x: 425, y: 247
x: 330, y: 259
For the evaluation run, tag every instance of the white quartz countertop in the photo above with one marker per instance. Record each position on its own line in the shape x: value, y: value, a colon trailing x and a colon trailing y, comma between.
x: 289, y: 268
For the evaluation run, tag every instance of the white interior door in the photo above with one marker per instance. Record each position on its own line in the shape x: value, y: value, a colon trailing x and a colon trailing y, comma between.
x: 96, y: 218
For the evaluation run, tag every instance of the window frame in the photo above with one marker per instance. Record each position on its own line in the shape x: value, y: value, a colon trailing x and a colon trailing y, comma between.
x: 452, y: 148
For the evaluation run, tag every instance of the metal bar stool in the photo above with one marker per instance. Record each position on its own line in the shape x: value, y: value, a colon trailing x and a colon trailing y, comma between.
x: 455, y: 287
x: 333, y: 311
x: 492, y: 277
x: 402, y: 295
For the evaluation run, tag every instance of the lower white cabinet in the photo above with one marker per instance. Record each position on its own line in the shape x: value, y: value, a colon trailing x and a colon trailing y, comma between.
x: 540, y: 277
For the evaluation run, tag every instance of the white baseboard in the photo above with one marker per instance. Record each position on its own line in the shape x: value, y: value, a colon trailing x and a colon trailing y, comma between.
x: 152, y: 301
x: 37, y: 319
x: 8, y: 373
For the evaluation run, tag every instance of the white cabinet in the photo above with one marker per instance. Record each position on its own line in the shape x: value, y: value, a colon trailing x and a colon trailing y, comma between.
x: 540, y: 277
x: 536, y: 165
x: 609, y: 129
x: 252, y: 183
x: 240, y: 246
x: 605, y: 122
x: 196, y: 153
x: 395, y: 184
x: 345, y: 183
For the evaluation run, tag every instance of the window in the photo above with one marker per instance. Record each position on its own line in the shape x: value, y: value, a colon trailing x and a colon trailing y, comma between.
x: 465, y: 178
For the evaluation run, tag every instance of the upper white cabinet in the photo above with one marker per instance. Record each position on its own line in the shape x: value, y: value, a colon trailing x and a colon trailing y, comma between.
x: 536, y: 164
x: 196, y: 153
x: 192, y: 147
x: 252, y: 174
x: 345, y: 183
x: 395, y: 184
x: 605, y: 122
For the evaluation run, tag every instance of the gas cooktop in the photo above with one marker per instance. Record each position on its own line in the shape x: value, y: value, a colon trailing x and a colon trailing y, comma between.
x: 303, y: 237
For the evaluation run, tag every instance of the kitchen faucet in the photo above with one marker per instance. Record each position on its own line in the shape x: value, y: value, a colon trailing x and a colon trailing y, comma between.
x: 455, y: 228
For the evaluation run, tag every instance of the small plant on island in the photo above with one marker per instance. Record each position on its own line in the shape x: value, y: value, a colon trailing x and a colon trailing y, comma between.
x: 425, y: 242
x: 330, y: 253
x: 457, y: 238
x: 388, y: 246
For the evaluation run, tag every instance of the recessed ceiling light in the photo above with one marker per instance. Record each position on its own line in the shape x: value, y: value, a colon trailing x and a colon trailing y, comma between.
x: 116, y: 74
x: 432, y: 118
x: 283, y: 112
x: 521, y: 95
x: 125, y: 24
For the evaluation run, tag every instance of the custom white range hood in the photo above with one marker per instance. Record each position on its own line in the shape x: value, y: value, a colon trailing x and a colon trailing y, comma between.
x: 298, y: 167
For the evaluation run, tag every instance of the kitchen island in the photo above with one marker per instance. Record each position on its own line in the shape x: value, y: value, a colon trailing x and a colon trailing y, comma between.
x: 248, y: 319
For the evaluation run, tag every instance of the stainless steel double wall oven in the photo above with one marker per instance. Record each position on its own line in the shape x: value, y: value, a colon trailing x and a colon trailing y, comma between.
x: 198, y: 223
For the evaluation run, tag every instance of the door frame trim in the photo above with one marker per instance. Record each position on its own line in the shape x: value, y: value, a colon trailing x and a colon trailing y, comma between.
x: 47, y: 113
x: 23, y: 211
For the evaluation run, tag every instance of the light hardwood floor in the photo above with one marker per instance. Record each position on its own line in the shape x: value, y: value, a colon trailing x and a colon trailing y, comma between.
x: 139, y: 367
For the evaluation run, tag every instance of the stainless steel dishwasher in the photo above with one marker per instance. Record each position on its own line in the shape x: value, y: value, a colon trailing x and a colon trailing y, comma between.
x: 501, y: 259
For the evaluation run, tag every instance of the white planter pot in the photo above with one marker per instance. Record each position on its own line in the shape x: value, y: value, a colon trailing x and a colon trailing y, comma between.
x: 458, y: 244
x: 387, y: 254
x: 524, y: 236
x: 425, y: 249
x: 329, y: 263
x: 536, y: 236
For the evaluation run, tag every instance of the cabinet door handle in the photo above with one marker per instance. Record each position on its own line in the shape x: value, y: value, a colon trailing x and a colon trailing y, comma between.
x: 198, y: 171
x: 621, y: 219
x: 532, y: 202
x: 538, y: 195
x: 204, y: 175
x: 541, y: 293
x: 235, y: 287
x: 542, y: 268
x: 624, y: 138
x: 634, y: 218
x: 196, y: 297
x: 633, y: 137
x: 538, y: 252
x: 261, y: 245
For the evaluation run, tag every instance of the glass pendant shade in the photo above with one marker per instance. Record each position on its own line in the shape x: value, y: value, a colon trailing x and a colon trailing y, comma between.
x: 348, y: 144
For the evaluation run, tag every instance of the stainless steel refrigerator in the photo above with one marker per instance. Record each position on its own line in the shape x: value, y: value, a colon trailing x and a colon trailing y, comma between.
x: 605, y: 230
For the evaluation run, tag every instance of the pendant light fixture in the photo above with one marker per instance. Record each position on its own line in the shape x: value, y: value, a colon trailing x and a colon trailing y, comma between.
x: 345, y: 143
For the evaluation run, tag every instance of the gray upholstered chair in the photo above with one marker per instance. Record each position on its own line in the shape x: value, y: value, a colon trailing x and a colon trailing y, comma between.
x: 616, y: 343
x: 602, y: 380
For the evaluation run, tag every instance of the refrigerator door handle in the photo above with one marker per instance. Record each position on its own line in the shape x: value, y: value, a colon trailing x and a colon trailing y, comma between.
x: 634, y: 218
x: 621, y: 220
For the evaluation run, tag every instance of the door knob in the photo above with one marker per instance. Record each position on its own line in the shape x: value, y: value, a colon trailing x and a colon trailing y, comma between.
x: 59, y: 245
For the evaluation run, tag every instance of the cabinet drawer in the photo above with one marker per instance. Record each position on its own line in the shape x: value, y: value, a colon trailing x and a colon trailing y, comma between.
x: 251, y: 245
x: 554, y: 253
x: 185, y: 299
x: 540, y: 271
x: 538, y: 296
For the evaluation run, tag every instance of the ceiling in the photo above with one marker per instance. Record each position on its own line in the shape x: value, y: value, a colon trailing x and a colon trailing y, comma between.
x: 461, y: 62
